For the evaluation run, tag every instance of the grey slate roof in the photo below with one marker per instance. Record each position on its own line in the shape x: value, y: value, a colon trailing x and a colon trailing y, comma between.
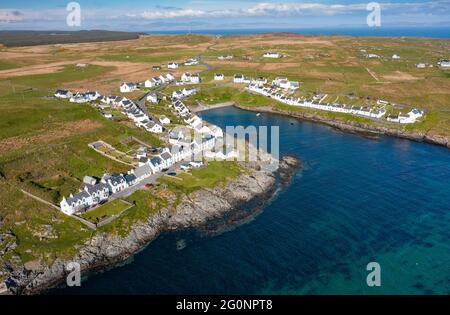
x: 166, y: 156
x: 156, y: 160
x: 142, y: 170
x: 96, y: 188
x: 130, y: 178
x: 117, y: 179
x: 78, y: 197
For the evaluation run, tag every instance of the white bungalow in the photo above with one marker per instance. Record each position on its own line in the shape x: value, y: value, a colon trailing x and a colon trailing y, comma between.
x: 151, y: 126
x: 157, y: 81
x: 172, y: 65
x: 195, y: 78
x: 177, y: 95
x: 271, y: 54
x: 128, y: 87
x: 164, y: 120
x: 228, y: 57
x: 170, y: 77
x: 445, y: 63
x: 238, y: 78
x: 153, y: 98
x: 186, y: 77
x: 191, y: 62
x: 284, y: 83
x: 63, y: 94
x: 219, y: 77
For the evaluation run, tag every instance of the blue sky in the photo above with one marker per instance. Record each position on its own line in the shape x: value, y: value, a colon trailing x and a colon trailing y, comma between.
x: 149, y: 15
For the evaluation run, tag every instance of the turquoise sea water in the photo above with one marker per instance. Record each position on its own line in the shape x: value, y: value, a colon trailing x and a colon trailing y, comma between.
x: 356, y: 201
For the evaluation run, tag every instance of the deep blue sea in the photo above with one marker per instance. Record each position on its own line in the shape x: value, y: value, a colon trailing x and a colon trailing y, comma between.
x: 433, y: 32
x: 355, y: 201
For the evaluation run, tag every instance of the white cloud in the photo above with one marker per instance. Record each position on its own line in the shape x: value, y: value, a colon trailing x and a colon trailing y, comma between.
x: 289, y: 9
x: 7, y: 15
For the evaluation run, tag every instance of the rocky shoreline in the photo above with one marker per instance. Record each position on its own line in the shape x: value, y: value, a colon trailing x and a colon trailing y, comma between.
x: 366, y: 130
x: 253, y: 189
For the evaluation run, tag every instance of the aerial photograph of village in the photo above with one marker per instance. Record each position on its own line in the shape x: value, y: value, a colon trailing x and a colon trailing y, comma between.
x: 273, y: 147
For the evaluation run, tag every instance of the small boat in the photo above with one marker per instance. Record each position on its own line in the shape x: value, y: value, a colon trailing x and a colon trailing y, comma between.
x: 259, y: 114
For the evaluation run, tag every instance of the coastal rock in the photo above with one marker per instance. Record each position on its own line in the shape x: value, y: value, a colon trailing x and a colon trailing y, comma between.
x: 194, y: 211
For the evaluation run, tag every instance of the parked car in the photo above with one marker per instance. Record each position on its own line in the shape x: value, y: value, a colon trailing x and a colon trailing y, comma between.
x: 172, y: 174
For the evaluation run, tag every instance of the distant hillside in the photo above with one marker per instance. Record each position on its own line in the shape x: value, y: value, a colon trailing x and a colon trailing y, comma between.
x: 32, y: 38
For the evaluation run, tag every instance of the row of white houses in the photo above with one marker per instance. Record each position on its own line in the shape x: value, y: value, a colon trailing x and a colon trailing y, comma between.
x: 283, y: 82
x: 367, y: 111
x: 181, y: 94
x: 138, y: 114
x: 77, y: 97
x: 191, y: 78
x: 334, y: 107
x: 159, y: 80
x: 93, y: 193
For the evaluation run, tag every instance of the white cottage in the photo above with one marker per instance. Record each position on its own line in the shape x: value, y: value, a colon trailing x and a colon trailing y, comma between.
x: 128, y: 87
x: 219, y: 77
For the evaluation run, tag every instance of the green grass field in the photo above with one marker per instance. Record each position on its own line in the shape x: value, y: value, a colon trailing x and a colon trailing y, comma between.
x: 101, y: 213
x: 216, y: 172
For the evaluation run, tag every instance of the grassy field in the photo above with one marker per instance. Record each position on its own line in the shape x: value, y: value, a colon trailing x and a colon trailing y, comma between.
x: 215, y: 173
x: 43, y: 141
x: 106, y: 211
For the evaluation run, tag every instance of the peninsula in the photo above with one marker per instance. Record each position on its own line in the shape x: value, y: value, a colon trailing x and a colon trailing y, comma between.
x: 93, y: 161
